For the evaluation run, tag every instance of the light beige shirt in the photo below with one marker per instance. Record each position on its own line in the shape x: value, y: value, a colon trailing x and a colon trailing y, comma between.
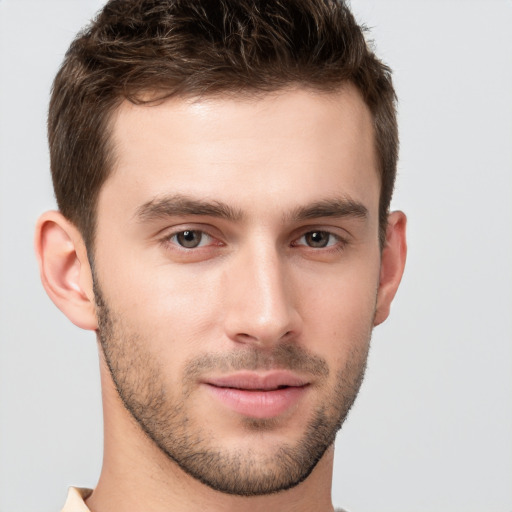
x: 75, y: 500
x: 76, y: 496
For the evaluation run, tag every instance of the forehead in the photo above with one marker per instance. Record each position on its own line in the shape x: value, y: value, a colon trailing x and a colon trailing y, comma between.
x: 288, y: 147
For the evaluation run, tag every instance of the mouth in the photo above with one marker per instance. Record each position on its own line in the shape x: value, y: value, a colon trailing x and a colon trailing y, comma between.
x: 258, y: 395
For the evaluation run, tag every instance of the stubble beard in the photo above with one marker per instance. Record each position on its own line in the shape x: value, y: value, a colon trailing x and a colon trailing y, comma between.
x: 162, y: 414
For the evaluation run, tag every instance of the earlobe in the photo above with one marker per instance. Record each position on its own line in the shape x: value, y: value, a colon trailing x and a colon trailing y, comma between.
x: 64, y: 268
x: 392, y: 266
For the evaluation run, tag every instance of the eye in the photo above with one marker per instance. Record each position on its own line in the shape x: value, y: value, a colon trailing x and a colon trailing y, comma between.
x: 190, y: 239
x: 318, y: 239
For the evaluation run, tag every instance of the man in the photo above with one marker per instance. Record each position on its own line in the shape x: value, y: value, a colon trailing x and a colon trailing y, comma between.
x: 223, y: 173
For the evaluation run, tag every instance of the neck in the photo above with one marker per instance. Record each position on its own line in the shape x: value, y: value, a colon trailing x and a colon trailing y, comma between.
x: 137, y: 475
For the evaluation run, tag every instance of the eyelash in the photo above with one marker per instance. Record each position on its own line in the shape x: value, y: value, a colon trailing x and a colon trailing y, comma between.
x: 335, y: 242
x: 172, y: 239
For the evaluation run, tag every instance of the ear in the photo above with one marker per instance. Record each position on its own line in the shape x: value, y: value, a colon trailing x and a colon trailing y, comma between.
x: 392, y: 264
x: 64, y: 268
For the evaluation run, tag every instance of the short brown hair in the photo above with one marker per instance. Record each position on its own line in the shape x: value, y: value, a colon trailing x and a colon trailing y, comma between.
x: 203, y: 47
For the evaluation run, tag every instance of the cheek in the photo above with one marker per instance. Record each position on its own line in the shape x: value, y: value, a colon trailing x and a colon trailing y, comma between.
x: 171, y: 305
x: 338, y: 314
x: 179, y: 308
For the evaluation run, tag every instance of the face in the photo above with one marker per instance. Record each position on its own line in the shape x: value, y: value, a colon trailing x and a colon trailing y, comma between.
x: 236, y: 274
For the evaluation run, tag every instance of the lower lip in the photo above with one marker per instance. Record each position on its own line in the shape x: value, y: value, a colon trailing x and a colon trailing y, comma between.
x: 258, y: 404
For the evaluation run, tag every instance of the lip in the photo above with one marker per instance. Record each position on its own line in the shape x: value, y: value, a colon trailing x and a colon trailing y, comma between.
x: 258, y: 395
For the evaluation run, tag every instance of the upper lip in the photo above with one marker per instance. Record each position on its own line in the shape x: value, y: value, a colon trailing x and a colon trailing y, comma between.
x: 252, y: 381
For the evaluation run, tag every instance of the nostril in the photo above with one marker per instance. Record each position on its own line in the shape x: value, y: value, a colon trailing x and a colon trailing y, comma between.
x: 244, y: 336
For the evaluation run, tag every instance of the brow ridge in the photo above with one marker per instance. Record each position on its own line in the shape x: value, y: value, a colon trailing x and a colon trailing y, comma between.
x: 336, y: 207
x: 181, y: 205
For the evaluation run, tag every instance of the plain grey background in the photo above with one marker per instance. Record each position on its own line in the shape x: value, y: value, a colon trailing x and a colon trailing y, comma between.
x: 432, y: 428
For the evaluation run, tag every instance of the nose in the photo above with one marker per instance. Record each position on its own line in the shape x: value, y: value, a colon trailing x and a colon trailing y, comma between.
x: 261, y: 299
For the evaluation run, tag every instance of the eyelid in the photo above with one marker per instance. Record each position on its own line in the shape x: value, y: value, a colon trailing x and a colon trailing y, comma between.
x: 166, y: 236
x: 335, y: 236
x: 336, y: 231
x: 204, y: 240
x: 332, y: 235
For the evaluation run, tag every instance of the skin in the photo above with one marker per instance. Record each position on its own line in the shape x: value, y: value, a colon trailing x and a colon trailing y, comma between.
x: 258, y: 283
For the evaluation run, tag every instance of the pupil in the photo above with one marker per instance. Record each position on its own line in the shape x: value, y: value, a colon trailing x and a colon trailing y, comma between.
x: 189, y: 239
x: 317, y: 239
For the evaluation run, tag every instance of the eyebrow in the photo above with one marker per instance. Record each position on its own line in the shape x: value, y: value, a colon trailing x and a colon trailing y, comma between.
x: 181, y: 205
x: 336, y: 208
